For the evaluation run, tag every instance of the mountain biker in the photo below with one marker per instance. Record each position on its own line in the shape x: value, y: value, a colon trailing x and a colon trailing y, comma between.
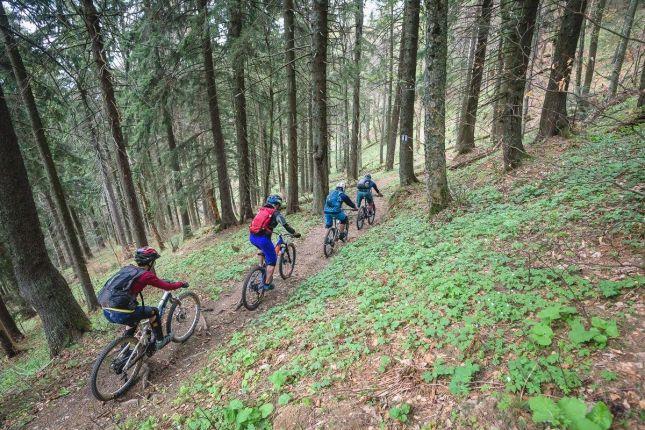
x: 260, y: 231
x: 333, y: 208
x: 364, y: 186
x: 118, y: 297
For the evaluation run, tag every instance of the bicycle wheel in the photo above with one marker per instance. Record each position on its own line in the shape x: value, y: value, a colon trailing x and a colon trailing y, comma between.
x: 183, y: 316
x: 287, y: 261
x: 372, y: 216
x: 360, y: 218
x: 116, y: 368
x: 330, y: 240
x: 253, y: 288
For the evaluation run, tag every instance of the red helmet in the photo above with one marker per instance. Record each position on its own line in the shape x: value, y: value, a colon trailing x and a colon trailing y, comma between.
x: 146, y: 256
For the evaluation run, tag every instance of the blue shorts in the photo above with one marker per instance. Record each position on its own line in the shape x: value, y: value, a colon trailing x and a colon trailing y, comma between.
x: 340, y: 216
x: 130, y: 318
x: 367, y: 195
x: 265, y: 245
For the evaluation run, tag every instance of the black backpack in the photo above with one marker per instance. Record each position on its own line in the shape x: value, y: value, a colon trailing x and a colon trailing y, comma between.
x: 364, y: 184
x: 116, y: 291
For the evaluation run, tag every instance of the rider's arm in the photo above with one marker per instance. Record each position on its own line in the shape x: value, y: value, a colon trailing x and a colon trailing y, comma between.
x: 348, y: 201
x: 375, y: 187
x: 149, y: 278
x: 283, y: 221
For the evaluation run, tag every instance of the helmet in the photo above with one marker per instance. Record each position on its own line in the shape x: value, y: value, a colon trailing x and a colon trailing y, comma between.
x: 146, y: 256
x: 340, y: 185
x: 274, y: 199
x: 368, y: 176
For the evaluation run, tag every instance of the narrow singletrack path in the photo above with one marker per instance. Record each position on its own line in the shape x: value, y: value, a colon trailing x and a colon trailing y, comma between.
x: 174, y: 365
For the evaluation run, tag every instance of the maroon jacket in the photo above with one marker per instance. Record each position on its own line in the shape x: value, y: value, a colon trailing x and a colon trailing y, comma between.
x: 149, y: 278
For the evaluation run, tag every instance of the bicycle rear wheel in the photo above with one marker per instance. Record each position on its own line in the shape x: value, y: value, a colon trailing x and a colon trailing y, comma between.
x: 183, y: 316
x: 116, y: 368
x: 330, y: 240
x: 253, y: 288
x: 287, y: 261
x: 360, y: 218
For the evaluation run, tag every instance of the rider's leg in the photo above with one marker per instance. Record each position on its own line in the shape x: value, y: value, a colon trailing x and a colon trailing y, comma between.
x: 342, y: 219
x: 263, y: 242
x: 369, y: 198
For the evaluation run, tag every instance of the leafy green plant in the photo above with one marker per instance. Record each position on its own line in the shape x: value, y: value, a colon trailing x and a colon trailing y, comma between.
x: 400, y: 412
x: 571, y: 413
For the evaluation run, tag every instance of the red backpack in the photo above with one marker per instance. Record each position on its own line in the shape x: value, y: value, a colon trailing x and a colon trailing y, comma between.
x: 260, y: 223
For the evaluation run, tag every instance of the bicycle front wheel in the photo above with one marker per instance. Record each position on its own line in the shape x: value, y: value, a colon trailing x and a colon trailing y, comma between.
x: 183, y: 316
x: 372, y: 215
x: 360, y: 218
x: 116, y: 368
x: 253, y: 288
x: 287, y: 261
x: 330, y: 239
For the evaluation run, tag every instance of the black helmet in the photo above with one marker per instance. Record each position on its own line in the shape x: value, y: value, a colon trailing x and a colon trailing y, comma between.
x: 146, y: 256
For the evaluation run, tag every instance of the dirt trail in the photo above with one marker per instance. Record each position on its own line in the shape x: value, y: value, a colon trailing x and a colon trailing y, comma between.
x: 174, y: 365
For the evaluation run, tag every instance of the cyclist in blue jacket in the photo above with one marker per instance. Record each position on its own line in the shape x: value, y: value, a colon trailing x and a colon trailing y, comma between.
x: 364, y: 186
x: 333, y: 208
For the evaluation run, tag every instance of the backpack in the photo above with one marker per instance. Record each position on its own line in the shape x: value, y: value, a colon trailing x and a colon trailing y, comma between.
x: 364, y: 184
x: 334, y: 202
x: 116, y: 291
x: 260, y: 223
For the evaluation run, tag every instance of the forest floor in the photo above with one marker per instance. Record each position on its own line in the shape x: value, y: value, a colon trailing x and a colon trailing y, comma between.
x: 519, y: 307
x: 66, y: 401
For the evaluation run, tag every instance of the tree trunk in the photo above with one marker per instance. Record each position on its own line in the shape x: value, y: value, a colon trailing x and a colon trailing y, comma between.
x: 78, y: 227
x: 495, y: 131
x: 466, y: 139
x: 319, y: 76
x: 6, y: 270
x: 518, y: 23
x: 410, y: 41
x: 386, y: 119
x: 292, y: 126
x: 434, y: 101
x: 310, y: 142
x: 393, y: 125
x: 38, y: 130
x: 580, y: 59
x: 39, y: 282
x: 227, y: 214
x: 6, y: 320
x: 553, y: 120
x: 58, y: 236
x: 150, y: 218
x: 593, y: 46
x: 619, y: 54
x: 356, y: 102
x: 641, y: 97
x: 92, y: 24
x: 6, y: 343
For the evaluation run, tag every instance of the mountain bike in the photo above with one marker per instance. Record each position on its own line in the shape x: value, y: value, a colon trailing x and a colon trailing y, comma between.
x: 117, y: 366
x: 253, y: 286
x: 366, y: 212
x: 333, y: 236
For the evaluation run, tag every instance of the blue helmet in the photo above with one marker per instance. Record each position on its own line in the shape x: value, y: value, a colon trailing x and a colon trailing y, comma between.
x: 274, y: 200
x: 368, y: 176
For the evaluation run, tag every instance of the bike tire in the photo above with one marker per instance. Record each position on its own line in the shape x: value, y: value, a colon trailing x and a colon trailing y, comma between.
x: 99, y: 361
x: 372, y: 216
x: 289, y: 256
x: 251, y: 298
x: 184, y: 297
x: 360, y: 218
x: 330, y: 240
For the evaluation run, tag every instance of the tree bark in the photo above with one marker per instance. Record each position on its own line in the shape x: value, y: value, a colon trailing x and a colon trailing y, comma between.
x: 518, y: 23
x: 593, y: 46
x: 319, y: 76
x: 434, y: 101
x: 8, y: 347
x: 227, y: 214
x: 580, y: 59
x: 466, y: 136
x: 39, y: 282
x: 386, y: 118
x: 292, y: 126
x: 356, y: 101
x: 495, y: 131
x: 554, y: 120
x: 6, y: 320
x: 641, y: 97
x: 80, y: 232
x: 408, y: 82
x: 393, y: 125
x: 38, y: 130
x: 619, y: 55
x: 6, y: 270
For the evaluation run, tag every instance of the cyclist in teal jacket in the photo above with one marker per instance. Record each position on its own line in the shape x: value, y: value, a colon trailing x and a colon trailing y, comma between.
x: 333, y: 208
x: 364, y: 186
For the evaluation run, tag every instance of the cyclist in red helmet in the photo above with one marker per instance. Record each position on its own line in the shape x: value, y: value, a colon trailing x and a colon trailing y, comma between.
x: 118, y: 297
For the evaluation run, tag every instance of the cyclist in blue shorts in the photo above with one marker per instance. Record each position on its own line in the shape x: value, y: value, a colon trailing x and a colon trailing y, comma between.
x: 261, y: 229
x: 364, y: 186
x: 333, y: 208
